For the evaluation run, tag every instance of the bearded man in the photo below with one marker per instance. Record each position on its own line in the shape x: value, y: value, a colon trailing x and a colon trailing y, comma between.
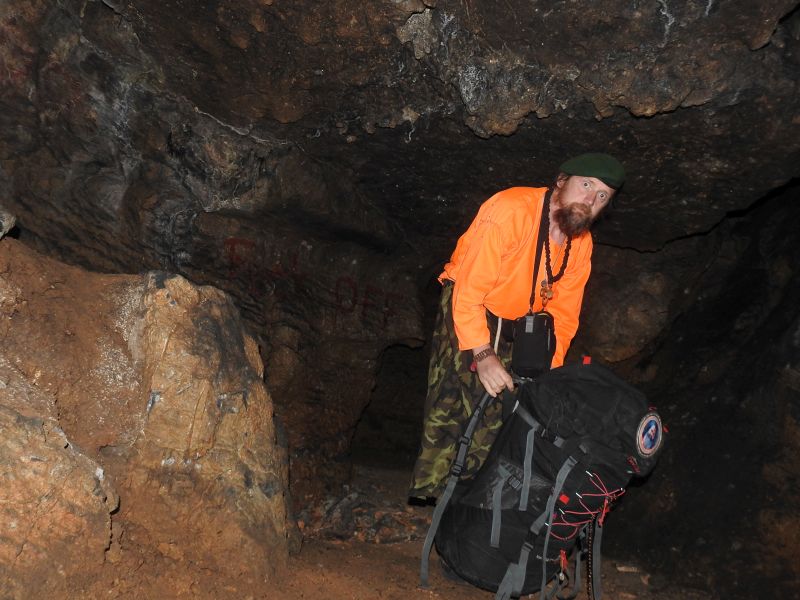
x: 489, y: 280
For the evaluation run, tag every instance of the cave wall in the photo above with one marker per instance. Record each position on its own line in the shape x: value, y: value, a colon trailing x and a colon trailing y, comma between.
x: 720, y: 509
x: 317, y: 161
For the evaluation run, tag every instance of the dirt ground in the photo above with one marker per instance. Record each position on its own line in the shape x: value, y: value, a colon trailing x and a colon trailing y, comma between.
x: 373, y: 555
x: 360, y: 567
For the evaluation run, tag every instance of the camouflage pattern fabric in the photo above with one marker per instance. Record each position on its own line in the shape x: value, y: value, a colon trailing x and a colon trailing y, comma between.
x: 454, y: 391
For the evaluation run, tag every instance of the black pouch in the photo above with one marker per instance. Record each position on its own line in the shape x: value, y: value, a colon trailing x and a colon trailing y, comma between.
x: 534, y: 344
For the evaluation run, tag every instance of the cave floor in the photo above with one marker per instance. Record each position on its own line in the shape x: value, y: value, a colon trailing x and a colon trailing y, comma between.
x: 333, y: 565
x: 360, y: 544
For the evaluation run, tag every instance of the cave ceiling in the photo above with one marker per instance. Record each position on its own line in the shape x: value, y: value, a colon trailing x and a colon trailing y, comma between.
x: 397, y: 118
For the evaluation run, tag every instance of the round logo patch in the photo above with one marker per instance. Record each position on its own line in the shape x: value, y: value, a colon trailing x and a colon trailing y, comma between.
x: 648, y: 436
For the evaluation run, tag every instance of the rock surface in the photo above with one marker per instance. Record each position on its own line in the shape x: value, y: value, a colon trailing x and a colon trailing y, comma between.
x: 319, y: 164
x: 725, y: 378
x: 55, y: 502
x: 155, y: 381
x: 351, y: 110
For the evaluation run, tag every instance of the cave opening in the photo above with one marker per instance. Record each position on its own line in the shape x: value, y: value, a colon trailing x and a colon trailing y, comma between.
x: 388, y: 431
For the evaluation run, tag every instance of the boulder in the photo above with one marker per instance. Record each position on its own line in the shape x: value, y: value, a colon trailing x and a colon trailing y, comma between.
x: 155, y: 381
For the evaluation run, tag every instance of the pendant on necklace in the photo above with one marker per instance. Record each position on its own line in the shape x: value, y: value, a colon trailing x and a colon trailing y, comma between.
x: 546, y: 292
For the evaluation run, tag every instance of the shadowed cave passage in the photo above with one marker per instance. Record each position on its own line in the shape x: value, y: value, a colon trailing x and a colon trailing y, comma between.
x: 221, y: 283
x: 388, y: 432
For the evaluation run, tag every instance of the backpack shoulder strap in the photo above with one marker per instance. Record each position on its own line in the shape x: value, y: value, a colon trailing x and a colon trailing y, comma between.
x: 455, y: 473
x: 527, y: 463
x: 514, y: 579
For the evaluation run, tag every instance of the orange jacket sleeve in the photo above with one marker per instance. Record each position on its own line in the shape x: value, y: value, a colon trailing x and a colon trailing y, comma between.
x: 477, y: 276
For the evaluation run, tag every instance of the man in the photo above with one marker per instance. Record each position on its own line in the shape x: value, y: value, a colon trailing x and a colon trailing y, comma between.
x: 490, y: 279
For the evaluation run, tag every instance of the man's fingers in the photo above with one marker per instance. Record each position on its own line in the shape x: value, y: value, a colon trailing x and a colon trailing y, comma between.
x: 494, y: 376
x: 496, y: 387
x: 491, y: 387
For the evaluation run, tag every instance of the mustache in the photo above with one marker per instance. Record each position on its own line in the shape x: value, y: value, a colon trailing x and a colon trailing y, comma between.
x: 573, y: 219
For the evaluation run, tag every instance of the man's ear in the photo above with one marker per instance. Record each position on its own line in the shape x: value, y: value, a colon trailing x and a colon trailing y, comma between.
x: 561, y: 179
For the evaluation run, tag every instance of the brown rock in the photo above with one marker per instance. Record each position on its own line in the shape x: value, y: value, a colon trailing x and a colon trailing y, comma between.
x: 154, y: 378
x: 55, y: 502
x: 204, y: 464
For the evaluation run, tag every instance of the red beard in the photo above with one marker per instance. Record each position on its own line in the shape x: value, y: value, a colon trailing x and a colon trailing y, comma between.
x: 574, y: 219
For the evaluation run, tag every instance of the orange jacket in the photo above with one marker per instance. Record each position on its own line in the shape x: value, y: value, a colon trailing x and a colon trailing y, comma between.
x: 492, y: 269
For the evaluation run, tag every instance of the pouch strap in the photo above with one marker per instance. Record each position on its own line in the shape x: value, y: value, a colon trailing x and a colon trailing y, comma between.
x: 540, y: 245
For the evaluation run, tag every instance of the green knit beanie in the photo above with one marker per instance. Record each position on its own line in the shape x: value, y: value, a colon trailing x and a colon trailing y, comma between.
x: 604, y: 167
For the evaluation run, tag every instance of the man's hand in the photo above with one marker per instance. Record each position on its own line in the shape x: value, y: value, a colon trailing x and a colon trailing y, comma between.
x: 491, y: 372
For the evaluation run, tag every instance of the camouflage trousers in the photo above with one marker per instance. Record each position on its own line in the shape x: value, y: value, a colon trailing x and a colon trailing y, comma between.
x: 454, y: 392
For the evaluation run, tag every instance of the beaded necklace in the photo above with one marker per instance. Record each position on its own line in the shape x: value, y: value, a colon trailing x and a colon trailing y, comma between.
x: 546, y: 292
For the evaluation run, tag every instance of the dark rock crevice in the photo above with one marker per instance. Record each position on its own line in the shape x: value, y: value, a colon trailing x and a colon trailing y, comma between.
x: 724, y: 379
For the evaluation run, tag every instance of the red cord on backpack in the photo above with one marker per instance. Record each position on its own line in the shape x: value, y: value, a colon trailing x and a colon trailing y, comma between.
x: 571, y: 521
x: 603, y: 513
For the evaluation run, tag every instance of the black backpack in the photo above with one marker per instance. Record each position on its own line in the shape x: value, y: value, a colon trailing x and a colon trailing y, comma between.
x: 569, y: 448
